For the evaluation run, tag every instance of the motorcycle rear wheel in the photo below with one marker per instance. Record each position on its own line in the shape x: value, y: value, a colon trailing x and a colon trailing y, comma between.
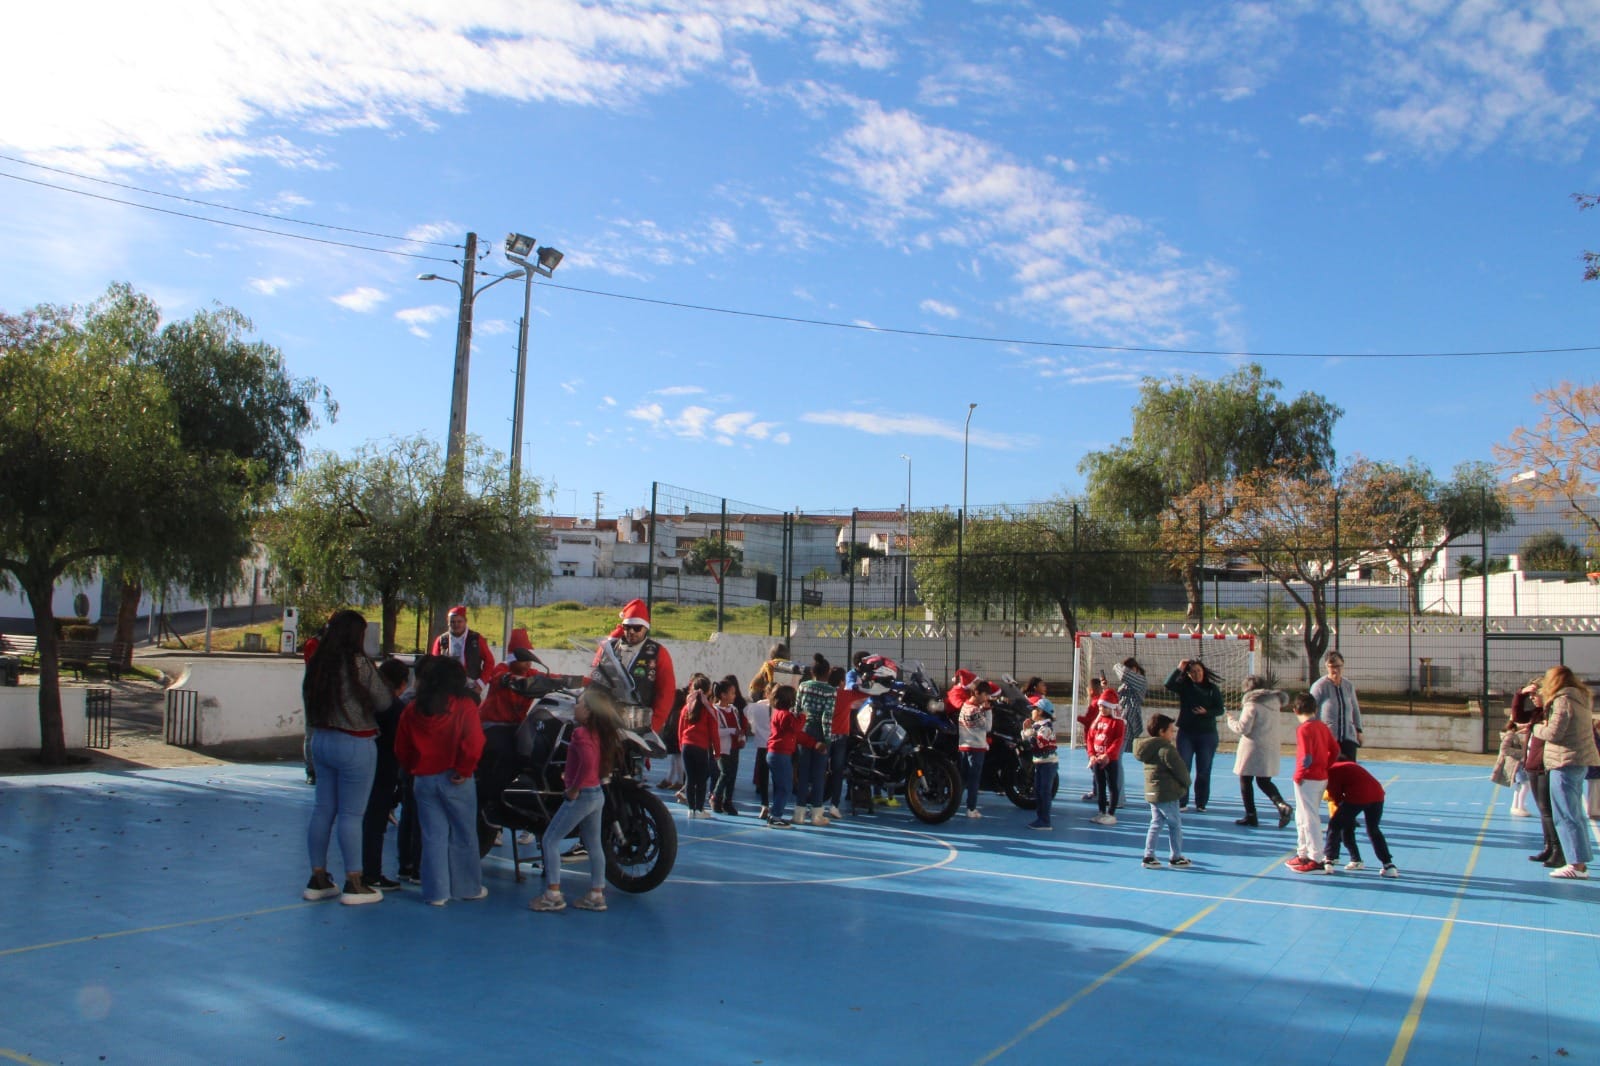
x: 640, y: 838
x: 933, y: 788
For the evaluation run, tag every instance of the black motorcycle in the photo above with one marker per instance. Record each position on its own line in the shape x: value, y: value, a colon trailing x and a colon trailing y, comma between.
x: 893, y: 742
x: 521, y: 787
x: 1008, y: 767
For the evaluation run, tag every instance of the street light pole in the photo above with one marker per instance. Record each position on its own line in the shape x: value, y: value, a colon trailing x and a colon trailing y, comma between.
x: 517, y: 249
x: 455, y: 443
x: 905, y: 568
x: 961, y: 527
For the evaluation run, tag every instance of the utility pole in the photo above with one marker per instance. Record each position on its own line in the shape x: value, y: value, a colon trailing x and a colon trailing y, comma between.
x: 599, y: 497
x: 456, y: 443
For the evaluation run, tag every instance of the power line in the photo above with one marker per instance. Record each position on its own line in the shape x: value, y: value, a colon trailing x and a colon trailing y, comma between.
x: 224, y: 222
x: 759, y: 315
x: 1023, y: 341
x: 222, y: 207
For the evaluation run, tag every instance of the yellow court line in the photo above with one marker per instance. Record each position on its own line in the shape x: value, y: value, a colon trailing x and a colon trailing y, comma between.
x: 1127, y: 963
x: 1408, y: 1027
x: 149, y: 929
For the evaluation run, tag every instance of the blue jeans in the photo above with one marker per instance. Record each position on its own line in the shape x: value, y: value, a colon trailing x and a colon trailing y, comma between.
x: 583, y: 812
x: 781, y: 769
x: 345, y: 768
x: 1044, y: 787
x: 1165, y: 814
x: 971, y: 775
x: 1197, y: 750
x: 1568, y: 809
x: 448, y: 817
x: 813, y: 777
x: 838, y: 750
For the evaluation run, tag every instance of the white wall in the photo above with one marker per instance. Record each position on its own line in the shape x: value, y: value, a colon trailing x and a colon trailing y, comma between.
x: 19, y: 717
x: 241, y: 699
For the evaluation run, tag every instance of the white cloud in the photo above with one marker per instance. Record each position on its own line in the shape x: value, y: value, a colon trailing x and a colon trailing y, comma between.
x: 269, y: 286
x: 194, y: 87
x: 679, y: 390
x: 943, y: 310
x: 571, y: 387
x: 416, y: 318
x: 608, y: 401
x: 362, y: 299
x: 1070, y: 260
x: 881, y: 424
x: 698, y: 422
x: 959, y: 81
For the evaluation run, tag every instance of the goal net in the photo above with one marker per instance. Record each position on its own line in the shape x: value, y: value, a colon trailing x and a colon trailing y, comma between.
x: 1229, y: 656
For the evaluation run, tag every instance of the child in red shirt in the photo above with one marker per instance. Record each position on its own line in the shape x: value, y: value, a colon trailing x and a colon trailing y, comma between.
x: 1354, y: 793
x: 788, y: 732
x: 698, y: 740
x: 439, y: 742
x: 1104, y: 745
x: 1314, y: 752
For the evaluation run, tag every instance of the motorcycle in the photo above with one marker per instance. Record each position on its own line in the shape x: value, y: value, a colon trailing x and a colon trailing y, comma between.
x: 893, y: 742
x: 522, y: 787
x: 1008, y: 768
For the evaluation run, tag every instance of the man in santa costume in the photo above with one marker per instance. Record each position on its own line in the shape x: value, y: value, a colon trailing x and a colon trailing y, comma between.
x: 643, y: 662
x: 466, y: 646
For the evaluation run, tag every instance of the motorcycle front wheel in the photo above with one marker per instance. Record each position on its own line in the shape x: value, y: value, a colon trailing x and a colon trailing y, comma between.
x: 1019, y: 786
x: 933, y: 788
x: 640, y: 838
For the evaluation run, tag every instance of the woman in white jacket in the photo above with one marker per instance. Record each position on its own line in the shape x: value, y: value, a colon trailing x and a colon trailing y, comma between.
x: 1259, y: 755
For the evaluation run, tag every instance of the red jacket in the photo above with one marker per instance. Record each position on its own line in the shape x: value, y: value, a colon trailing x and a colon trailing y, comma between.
x: 845, y: 701
x: 431, y: 744
x: 702, y: 732
x: 1349, y: 782
x: 1314, y: 751
x: 1106, y: 737
x: 501, y: 704
x: 788, y: 730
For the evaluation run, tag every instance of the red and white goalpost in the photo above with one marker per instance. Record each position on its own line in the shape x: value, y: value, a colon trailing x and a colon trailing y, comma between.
x: 1229, y: 656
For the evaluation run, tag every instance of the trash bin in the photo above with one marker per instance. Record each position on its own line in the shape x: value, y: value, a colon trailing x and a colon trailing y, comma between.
x: 10, y: 670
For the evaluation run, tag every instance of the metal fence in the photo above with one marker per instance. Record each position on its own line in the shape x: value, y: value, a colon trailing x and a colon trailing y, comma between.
x: 97, y: 707
x: 183, y: 717
x: 1417, y: 619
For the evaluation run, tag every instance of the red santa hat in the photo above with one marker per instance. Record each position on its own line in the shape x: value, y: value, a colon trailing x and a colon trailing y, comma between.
x: 458, y: 609
x: 519, y: 642
x: 636, y: 613
x: 965, y: 677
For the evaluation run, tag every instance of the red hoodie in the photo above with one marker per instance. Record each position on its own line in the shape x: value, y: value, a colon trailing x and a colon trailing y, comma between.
x: 1349, y: 782
x: 789, y: 730
x: 431, y: 744
x: 697, y: 725
x: 1314, y: 750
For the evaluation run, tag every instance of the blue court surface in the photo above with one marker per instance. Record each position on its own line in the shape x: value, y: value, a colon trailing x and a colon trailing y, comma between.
x: 155, y: 917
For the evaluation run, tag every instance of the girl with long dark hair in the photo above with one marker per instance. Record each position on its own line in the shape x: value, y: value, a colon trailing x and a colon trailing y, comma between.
x: 439, y: 742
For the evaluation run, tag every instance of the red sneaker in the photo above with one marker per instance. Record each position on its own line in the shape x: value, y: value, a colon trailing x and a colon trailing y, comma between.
x: 1297, y: 862
x: 1307, y: 867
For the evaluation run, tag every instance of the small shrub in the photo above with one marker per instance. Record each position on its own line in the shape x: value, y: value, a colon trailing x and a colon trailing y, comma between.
x: 566, y: 605
x: 80, y: 632
x: 665, y: 608
x: 1550, y: 551
x: 706, y: 614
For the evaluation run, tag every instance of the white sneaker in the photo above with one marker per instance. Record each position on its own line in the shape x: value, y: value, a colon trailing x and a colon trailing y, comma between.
x: 524, y: 838
x: 833, y: 812
x: 1355, y: 864
x: 1390, y: 871
x: 1104, y: 819
x: 802, y: 817
x: 1521, y: 812
x: 974, y: 813
x: 819, y: 817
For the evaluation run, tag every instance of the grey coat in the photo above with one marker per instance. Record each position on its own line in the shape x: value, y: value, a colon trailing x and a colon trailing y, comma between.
x: 1257, y: 725
x: 1568, y: 731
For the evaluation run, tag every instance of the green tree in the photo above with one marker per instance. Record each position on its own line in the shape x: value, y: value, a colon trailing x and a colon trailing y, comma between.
x: 712, y: 548
x: 1411, y: 515
x: 91, y: 467
x: 1188, y: 432
x: 240, y: 415
x: 1550, y: 551
x: 387, y: 525
x: 1057, y: 558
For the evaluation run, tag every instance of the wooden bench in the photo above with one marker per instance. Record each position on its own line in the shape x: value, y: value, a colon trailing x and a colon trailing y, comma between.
x: 23, y: 648
x: 81, y: 655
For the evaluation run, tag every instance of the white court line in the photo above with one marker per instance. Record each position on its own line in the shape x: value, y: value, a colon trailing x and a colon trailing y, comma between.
x: 951, y: 853
x: 1363, y: 911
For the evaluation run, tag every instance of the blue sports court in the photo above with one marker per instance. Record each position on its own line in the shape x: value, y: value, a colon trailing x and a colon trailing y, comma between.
x: 155, y: 916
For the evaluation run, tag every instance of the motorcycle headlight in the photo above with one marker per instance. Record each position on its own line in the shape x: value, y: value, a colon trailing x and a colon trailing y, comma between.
x: 635, y: 717
x: 936, y: 706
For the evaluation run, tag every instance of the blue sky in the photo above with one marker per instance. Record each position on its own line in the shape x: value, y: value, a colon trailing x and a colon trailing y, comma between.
x: 1355, y: 178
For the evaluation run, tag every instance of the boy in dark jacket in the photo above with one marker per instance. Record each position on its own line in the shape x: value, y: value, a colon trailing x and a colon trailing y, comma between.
x: 1166, y: 779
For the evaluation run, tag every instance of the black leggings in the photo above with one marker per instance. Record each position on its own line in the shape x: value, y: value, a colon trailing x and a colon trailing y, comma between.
x: 1541, y: 796
x: 1268, y: 789
x: 697, y: 766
